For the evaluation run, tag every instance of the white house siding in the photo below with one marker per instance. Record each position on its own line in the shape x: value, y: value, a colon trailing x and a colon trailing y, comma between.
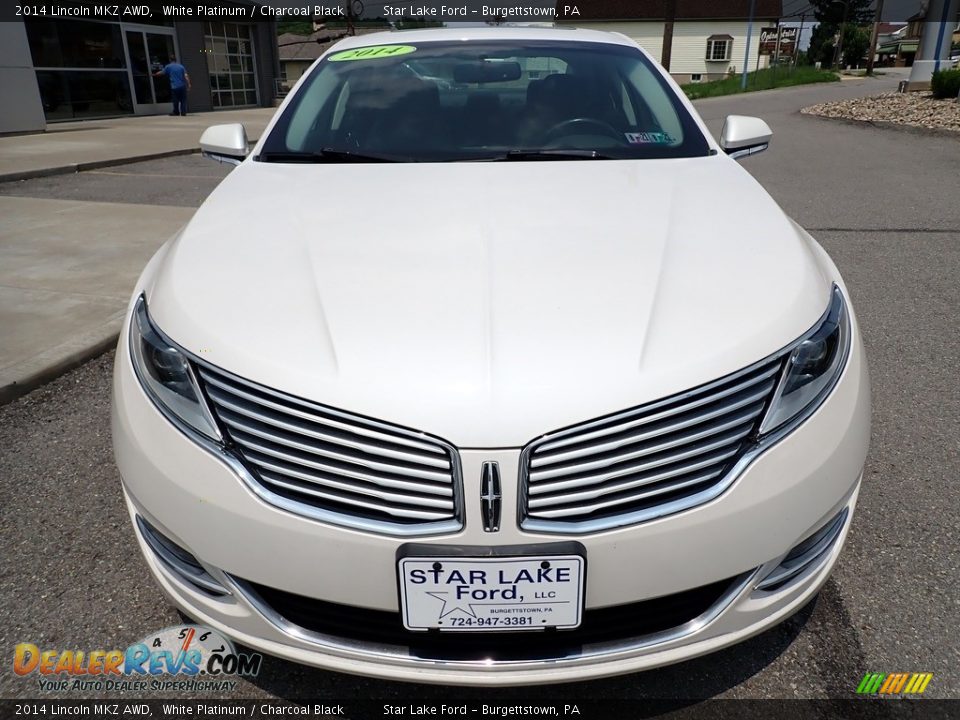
x: 293, y: 69
x: 689, y: 53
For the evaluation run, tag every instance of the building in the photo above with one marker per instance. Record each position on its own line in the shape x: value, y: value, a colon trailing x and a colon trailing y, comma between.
x: 298, y: 52
x: 709, y: 36
x: 55, y: 69
x: 897, y: 46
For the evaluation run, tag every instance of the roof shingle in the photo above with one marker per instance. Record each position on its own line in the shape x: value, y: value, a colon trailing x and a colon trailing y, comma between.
x: 309, y: 47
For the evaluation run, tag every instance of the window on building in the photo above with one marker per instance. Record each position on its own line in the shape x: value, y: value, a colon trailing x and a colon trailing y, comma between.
x: 81, y: 68
x: 719, y: 47
x: 696, y: 77
x: 229, y: 50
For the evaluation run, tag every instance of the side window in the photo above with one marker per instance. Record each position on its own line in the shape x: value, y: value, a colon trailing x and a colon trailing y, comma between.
x: 341, y: 107
x: 657, y: 101
x: 627, y: 104
x: 308, y: 113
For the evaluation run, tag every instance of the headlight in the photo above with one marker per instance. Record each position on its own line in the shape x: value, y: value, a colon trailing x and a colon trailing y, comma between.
x: 813, y: 367
x: 167, y: 376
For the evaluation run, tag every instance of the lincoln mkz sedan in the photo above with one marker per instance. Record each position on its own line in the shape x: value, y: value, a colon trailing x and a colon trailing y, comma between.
x: 488, y: 365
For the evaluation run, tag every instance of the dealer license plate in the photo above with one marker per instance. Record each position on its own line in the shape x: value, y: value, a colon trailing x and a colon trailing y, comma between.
x: 490, y: 594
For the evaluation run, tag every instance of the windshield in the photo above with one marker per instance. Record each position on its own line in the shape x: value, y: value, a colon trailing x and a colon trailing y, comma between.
x: 480, y: 100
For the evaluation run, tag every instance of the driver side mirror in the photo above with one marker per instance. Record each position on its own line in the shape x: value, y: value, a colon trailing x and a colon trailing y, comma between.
x: 224, y: 143
x: 743, y: 136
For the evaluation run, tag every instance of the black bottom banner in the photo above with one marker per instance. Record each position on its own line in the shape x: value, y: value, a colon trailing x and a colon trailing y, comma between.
x: 585, y: 710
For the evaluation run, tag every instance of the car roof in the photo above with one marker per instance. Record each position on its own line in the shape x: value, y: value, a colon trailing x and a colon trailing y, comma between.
x: 516, y: 33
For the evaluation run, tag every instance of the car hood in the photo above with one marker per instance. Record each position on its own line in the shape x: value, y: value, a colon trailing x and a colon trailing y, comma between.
x: 487, y: 303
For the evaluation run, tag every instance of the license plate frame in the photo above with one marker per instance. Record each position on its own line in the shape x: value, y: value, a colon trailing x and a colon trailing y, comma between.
x: 439, y: 596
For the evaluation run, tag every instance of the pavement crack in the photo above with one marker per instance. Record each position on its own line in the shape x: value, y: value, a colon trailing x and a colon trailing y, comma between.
x: 841, y: 656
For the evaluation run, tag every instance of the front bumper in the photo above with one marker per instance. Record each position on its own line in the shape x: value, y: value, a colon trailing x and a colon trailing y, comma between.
x: 193, y: 497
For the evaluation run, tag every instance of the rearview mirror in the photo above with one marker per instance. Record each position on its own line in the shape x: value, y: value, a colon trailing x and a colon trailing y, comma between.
x: 486, y: 71
x: 743, y: 135
x: 224, y: 143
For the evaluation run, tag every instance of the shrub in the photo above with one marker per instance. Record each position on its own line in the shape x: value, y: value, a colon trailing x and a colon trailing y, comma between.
x: 945, y: 84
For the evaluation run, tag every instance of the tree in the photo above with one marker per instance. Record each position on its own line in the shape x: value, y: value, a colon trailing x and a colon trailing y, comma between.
x: 296, y: 27
x: 377, y: 22
x: 856, y: 43
x: 831, y: 14
x: 822, y: 44
x: 834, y: 12
x: 411, y: 24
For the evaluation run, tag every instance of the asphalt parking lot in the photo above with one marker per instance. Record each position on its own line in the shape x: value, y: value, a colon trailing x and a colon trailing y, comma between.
x: 885, y: 205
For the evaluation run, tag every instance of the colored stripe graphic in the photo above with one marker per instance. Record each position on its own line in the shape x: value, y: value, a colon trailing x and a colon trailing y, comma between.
x: 871, y: 683
x: 888, y: 683
x: 915, y: 681
x: 894, y: 683
x: 898, y: 684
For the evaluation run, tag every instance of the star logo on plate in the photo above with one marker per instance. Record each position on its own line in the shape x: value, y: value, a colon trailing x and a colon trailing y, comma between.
x: 451, y: 606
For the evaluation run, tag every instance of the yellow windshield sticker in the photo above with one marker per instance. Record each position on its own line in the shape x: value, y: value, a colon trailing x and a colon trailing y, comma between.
x: 372, y: 52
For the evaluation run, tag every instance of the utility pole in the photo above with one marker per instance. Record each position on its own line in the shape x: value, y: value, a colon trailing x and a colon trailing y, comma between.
x: 796, y: 47
x: 353, y: 7
x: 776, y: 51
x: 669, y: 15
x: 838, y: 53
x: 746, y: 53
x: 759, y: 51
x: 874, y: 37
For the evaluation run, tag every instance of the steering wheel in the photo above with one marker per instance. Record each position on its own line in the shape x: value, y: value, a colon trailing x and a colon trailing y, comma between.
x: 565, y: 127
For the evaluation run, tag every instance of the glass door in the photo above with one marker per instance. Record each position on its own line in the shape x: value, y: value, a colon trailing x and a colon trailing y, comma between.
x: 149, y: 51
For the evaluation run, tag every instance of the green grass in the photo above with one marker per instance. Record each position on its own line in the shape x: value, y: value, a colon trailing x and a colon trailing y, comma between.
x: 765, y: 79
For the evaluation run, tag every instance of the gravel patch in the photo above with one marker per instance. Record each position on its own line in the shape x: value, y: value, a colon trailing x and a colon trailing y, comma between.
x: 914, y: 109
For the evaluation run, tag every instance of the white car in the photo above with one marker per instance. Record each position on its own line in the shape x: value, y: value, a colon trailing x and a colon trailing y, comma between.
x: 517, y: 379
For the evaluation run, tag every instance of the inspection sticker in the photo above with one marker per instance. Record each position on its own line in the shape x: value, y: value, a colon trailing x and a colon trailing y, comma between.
x: 649, y: 138
x: 373, y: 52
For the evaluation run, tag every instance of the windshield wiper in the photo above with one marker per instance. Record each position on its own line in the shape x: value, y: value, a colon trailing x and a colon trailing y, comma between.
x: 327, y: 155
x: 521, y: 155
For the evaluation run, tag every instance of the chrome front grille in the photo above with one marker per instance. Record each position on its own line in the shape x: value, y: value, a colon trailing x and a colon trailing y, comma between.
x: 655, y: 460
x: 334, y: 466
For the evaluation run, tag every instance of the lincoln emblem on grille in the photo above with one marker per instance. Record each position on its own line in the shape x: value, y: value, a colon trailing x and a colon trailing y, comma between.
x: 490, y: 496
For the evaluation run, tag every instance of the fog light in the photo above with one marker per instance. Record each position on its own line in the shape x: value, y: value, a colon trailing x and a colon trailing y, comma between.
x: 805, y: 555
x: 178, y: 561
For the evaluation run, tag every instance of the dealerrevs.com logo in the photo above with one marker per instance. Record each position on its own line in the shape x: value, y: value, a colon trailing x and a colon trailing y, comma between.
x: 187, y: 658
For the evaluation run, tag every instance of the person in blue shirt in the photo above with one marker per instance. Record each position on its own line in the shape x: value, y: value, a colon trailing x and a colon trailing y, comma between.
x: 179, y: 84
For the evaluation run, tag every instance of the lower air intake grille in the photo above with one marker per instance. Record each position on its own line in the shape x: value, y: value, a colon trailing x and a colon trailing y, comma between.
x: 654, y: 460
x: 334, y: 466
x: 603, y: 625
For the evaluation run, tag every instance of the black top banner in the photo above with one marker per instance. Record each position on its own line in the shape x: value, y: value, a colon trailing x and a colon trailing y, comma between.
x: 451, y: 11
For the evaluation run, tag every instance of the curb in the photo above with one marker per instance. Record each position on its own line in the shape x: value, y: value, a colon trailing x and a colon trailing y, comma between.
x: 886, y: 125
x: 96, y: 164
x: 77, y: 351
x: 92, y: 165
x: 87, y: 346
x: 71, y: 355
